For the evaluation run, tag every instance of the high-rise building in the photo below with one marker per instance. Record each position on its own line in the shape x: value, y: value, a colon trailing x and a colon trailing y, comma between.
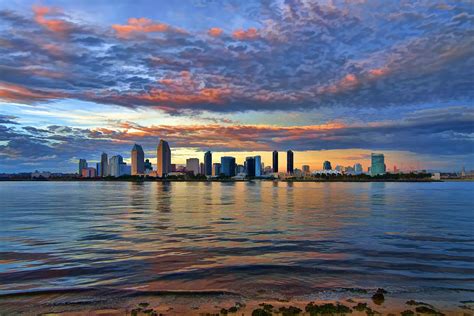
x: 104, y: 165
x: 327, y: 165
x: 115, y: 166
x: 239, y: 169
x: 275, y: 161
x: 216, y: 169
x: 82, y: 165
x: 163, y: 159
x: 97, y: 169
x: 208, y: 163
x: 192, y: 165
x: 250, y: 166
x: 138, y: 160
x: 377, y: 166
x: 258, y: 166
x: 228, y: 166
x: 289, y: 162
x: 89, y: 172
x: 201, y: 168
x: 305, y: 169
x: 358, y: 168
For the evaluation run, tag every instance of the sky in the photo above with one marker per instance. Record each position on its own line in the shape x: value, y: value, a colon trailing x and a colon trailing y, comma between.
x: 330, y: 80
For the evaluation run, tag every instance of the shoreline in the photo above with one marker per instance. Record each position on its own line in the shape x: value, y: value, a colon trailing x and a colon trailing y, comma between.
x: 86, y: 301
x: 234, y: 180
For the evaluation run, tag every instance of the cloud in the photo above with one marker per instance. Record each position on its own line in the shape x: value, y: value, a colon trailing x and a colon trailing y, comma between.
x: 215, y: 32
x: 248, y: 34
x: 142, y: 25
x: 296, y: 56
x: 445, y: 131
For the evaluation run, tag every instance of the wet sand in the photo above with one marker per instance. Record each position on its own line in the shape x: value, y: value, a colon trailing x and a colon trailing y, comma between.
x: 86, y: 302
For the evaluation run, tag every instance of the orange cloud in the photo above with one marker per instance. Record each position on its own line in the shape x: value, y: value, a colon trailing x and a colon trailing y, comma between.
x: 242, y: 34
x: 53, y: 25
x: 142, y: 25
x: 19, y: 94
x: 215, y: 32
x: 377, y: 72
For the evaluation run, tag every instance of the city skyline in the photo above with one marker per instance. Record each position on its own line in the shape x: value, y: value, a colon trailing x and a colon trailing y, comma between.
x: 329, y: 80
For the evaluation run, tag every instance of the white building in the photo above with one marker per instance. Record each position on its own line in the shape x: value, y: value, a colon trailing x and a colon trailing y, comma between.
x: 192, y: 164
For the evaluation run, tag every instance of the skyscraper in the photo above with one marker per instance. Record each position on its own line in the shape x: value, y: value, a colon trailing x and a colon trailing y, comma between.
x: 138, y: 160
x: 377, y: 166
x: 82, y: 165
x: 327, y: 165
x: 104, y: 165
x: 358, y: 168
x: 115, y: 166
x: 208, y: 163
x: 258, y: 166
x: 289, y: 162
x: 250, y: 166
x: 275, y: 161
x: 216, y: 169
x: 192, y: 164
x: 163, y: 159
x: 228, y: 166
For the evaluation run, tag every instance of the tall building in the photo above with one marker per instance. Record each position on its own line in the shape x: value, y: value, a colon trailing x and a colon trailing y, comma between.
x: 163, y: 159
x: 258, y: 166
x: 208, y: 163
x: 216, y: 169
x: 82, y: 165
x: 358, y: 168
x: 305, y: 169
x: 104, y: 165
x: 228, y: 166
x: 377, y: 166
x: 275, y: 161
x: 250, y: 166
x: 115, y: 166
x: 289, y: 162
x: 192, y: 164
x: 327, y: 165
x: 138, y: 160
x: 97, y: 169
x: 89, y: 172
x: 201, y: 168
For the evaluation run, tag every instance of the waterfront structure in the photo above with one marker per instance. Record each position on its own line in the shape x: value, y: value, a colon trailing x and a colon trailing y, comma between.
x: 208, y: 163
x: 40, y: 175
x: 289, y: 162
x: 358, y: 168
x: 250, y: 166
x: 327, y: 165
x: 258, y: 166
x: 82, y: 165
x: 192, y: 165
x: 104, y: 166
x: 228, y: 166
x: 89, y: 172
x: 138, y: 160
x: 115, y: 163
x: 306, y: 170
x: 163, y: 159
x: 377, y: 166
x: 275, y: 161
x: 216, y: 169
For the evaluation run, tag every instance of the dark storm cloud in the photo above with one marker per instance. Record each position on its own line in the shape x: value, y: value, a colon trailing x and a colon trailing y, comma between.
x: 302, y: 55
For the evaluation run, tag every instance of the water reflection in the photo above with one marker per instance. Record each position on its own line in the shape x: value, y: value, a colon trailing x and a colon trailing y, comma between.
x: 245, y: 237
